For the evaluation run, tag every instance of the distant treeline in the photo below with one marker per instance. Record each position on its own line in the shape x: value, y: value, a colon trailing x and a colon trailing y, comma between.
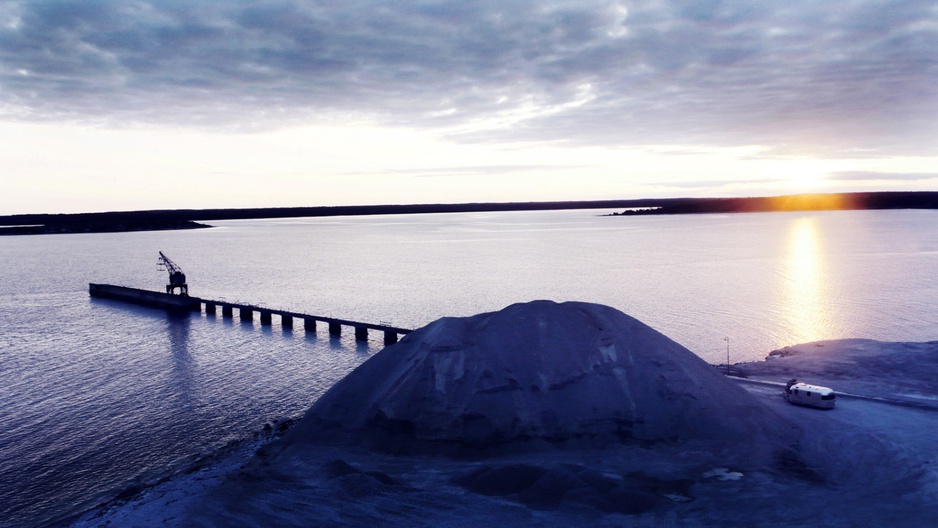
x: 99, y: 225
x: 27, y: 224
x: 188, y: 218
x: 795, y: 202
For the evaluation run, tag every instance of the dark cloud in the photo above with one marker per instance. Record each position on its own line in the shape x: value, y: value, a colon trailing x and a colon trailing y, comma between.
x: 818, y: 77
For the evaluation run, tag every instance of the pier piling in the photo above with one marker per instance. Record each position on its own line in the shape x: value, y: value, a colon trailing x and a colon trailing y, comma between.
x: 245, y: 311
x: 361, y: 333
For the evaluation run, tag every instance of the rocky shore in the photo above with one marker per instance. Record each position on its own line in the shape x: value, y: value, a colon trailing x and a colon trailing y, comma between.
x: 574, y: 438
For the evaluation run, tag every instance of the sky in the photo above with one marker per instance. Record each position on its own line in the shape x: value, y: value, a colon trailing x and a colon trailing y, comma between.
x: 127, y: 105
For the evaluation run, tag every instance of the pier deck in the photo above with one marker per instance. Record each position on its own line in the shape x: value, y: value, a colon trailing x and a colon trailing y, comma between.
x: 245, y: 311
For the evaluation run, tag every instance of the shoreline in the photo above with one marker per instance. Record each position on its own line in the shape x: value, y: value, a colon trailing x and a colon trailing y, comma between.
x: 100, y: 226
x: 172, y: 219
x: 174, y: 488
x: 119, y: 221
x: 168, y: 499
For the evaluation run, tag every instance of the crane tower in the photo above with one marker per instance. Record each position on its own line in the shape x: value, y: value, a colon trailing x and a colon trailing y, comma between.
x: 177, y: 279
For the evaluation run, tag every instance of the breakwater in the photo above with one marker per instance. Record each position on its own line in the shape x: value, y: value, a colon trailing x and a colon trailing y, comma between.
x: 245, y: 312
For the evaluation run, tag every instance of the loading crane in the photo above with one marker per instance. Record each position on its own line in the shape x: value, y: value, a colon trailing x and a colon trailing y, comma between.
x: 177, y: 279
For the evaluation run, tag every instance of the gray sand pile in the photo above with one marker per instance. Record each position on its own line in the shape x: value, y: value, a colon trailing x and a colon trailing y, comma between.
x: 540, y: 375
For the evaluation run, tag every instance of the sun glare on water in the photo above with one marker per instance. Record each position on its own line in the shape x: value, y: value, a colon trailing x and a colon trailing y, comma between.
x: 805, y: 283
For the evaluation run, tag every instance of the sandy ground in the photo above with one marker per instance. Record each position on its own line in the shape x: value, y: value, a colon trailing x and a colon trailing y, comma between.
x: 880, y: 468
x: 903, y: 372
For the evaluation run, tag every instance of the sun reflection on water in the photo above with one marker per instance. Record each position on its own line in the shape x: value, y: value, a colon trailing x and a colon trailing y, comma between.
x: 805, y: 283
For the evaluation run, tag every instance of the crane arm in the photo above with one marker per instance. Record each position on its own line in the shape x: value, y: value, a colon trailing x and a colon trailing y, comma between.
x: 171, y: 266
x: 177, y: 279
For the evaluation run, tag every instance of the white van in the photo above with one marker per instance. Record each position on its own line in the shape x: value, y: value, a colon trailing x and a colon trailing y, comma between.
x: 810, y: 395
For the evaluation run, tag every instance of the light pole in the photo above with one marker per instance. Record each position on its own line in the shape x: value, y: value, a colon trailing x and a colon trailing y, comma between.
x: 727, y: 339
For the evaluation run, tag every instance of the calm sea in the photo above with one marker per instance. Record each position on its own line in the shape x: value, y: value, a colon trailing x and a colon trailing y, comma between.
x: 98, y: 395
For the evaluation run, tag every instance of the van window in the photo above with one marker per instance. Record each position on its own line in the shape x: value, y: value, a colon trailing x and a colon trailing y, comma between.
x: 828, y: 396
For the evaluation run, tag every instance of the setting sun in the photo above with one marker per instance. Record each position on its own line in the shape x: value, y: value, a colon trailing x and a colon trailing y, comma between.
x: 802, y: 175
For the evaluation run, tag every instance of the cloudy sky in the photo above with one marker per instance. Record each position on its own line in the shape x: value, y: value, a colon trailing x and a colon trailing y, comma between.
x: 120, y: 105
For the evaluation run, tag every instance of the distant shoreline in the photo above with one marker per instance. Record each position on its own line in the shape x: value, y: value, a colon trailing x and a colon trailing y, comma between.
x: 794, y: 202
x: 121, y: 221
x: 171, y: 219
x: 100, y: 226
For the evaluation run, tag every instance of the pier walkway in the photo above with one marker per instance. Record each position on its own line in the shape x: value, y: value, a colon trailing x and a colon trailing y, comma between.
x: 287, y: 318
x: 245, y: 311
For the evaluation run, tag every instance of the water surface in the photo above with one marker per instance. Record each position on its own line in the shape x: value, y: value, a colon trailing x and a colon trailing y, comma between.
x: 97, y: 394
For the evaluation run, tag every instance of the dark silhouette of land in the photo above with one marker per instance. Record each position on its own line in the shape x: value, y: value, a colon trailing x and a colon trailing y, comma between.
x: 120, y: 221
x: 95, y: 223
x: 109, y: 222
x: 794, y: 202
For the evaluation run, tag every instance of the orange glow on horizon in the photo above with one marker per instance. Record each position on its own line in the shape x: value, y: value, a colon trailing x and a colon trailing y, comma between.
x: 812, y: 202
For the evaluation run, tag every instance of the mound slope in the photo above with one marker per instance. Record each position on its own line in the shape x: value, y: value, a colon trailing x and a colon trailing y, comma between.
x: 538, y: 375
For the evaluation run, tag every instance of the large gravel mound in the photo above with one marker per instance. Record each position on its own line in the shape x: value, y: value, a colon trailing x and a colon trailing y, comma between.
x: 540, y: 375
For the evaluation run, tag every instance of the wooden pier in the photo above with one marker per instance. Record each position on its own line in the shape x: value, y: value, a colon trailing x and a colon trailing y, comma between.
x: 245, y: 311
